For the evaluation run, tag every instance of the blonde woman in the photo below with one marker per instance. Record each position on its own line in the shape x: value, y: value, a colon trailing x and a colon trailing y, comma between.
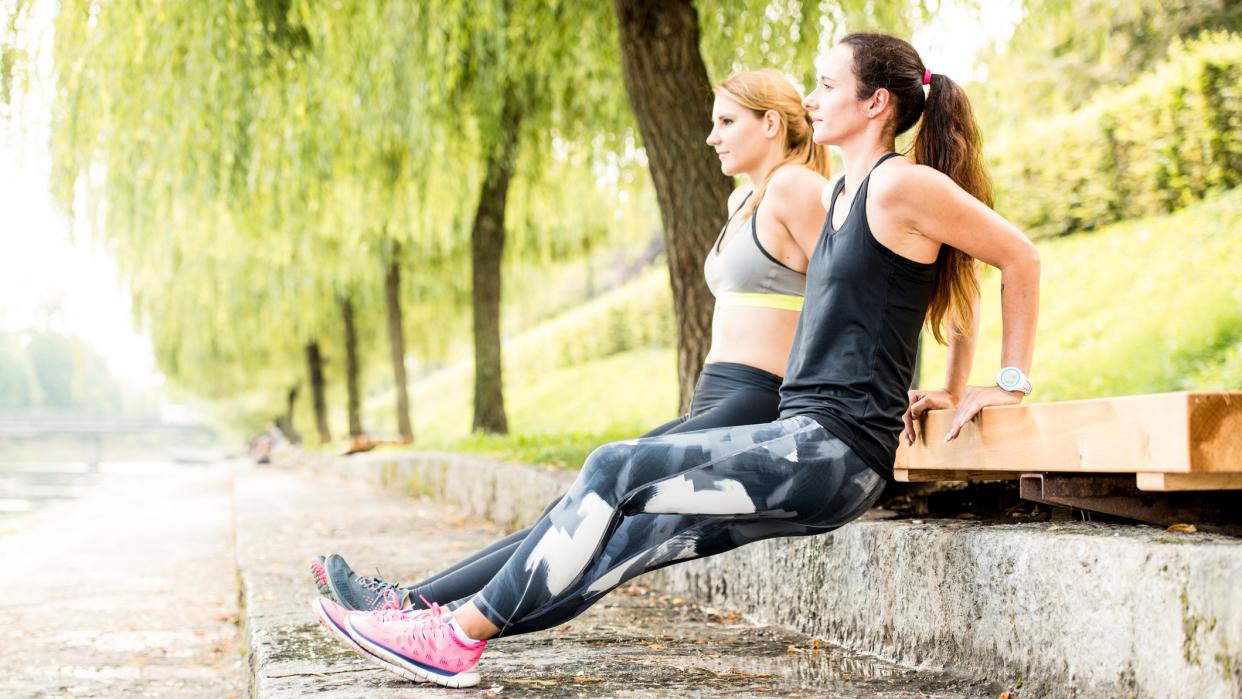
x: 756, y: 269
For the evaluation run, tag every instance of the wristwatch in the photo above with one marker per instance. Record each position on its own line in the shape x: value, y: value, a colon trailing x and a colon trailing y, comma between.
x: 1011, y: 378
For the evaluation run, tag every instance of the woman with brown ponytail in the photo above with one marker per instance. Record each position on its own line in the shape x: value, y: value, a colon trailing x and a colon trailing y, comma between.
x: 929, y: 216
x: 896, y: 252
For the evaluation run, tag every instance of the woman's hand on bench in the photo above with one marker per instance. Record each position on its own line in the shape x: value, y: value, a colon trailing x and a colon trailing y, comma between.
x: 921, y: 402
x: 976, y: 399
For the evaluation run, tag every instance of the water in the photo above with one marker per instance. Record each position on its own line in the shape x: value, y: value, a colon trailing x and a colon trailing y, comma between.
x: 36, y: 473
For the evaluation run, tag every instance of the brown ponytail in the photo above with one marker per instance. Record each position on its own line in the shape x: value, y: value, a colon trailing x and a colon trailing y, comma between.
x: 947, y: 140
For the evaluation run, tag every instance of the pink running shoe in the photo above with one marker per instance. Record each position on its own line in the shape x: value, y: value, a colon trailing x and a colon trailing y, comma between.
x: 425, y: 646
x: 332, y: 616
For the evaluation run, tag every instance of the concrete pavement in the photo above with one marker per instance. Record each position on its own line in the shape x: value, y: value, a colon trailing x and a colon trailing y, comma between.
x: 130, y: 590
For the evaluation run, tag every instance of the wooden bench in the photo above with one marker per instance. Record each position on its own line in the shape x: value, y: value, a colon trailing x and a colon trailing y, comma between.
x: 1100, y: 454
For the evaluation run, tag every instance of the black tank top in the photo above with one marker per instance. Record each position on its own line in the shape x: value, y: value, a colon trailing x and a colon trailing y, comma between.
x: 854, y: 349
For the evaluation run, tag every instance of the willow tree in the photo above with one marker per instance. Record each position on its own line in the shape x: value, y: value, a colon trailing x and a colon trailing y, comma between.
x: 505, y: 72
x: 162, y: 120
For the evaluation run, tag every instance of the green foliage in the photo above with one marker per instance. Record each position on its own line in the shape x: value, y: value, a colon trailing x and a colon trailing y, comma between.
x: 19, y: 387
x: 1063, y: 51
x: 789, y: 34
x: 1159, y: 144
x: 1139, y: 307
x: 51, y: 372
x: 251, y: 164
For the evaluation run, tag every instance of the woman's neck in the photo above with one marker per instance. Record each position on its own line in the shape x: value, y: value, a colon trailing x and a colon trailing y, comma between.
x: 764, y: 167
x: 860, y: 156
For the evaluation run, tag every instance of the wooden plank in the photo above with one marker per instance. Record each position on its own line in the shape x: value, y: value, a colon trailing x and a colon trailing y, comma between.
x: 1165, y: 482
x: 922, y: 476
x: 1164, y: 432
x: 1215, y: 432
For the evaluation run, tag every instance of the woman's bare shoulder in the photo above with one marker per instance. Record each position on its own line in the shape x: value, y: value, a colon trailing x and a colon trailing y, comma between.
x: 797, y: 178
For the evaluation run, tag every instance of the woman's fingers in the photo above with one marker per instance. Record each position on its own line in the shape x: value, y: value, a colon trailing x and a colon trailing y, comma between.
x: 920, y: 403
x: 975, y: 400
x: 917, y: 403
x: 965, y: 412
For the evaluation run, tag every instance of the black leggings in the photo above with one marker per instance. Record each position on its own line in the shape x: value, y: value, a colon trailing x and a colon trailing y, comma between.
x: 726, y: 395
x: 647, y: 503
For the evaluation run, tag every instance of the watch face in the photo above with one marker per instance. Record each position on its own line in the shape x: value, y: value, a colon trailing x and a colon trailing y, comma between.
x: 1010, y: 379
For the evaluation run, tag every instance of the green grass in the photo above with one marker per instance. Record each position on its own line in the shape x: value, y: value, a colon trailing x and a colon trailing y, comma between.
x: 1138, y: 307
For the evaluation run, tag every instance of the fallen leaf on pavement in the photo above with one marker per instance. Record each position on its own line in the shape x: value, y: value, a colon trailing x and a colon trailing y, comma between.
x: 1184, y: 528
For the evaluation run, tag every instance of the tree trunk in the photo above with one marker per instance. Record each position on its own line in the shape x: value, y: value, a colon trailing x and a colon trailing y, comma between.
x: 669, y: 91
x: 290, y: 400
x: 314, y: 366
x: 487, y: 246
x: 396, y: 343
x: 354, y: 402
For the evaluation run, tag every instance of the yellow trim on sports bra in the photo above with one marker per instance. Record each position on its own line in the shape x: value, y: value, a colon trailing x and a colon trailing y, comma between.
x: 782, y: 302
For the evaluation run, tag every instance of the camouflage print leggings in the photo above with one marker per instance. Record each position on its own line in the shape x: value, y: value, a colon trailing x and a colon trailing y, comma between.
x: 643, y: 504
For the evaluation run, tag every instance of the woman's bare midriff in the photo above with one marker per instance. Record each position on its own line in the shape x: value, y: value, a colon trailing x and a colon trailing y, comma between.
x: 758, y: 337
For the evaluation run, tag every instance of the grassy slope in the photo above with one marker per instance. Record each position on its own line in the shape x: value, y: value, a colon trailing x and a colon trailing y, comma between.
x: 557, y: 416
x: 1138, y: 307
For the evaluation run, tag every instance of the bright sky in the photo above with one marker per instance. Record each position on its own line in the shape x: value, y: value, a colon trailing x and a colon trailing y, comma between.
x: 52, y: 276
x: 55, y: 276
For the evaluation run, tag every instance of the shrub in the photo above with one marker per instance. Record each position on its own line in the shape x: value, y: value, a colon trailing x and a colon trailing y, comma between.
x: 1159, y: 144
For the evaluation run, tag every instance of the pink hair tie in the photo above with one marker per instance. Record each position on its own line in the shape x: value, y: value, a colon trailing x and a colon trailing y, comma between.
x: 927, y: 77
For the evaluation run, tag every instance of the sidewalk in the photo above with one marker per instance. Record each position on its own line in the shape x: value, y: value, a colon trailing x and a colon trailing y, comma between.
x: 637, y: 642
x: 129, y: 591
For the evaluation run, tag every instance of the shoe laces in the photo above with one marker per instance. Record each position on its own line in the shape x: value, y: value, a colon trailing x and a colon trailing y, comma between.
x: 387, y: 614
x: 427, y: 629
x: 388, y: 598
x: 376, y: 585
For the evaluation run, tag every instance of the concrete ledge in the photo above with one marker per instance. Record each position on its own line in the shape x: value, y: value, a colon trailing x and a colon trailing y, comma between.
x: 510, y: 495
x: 1067, y: 609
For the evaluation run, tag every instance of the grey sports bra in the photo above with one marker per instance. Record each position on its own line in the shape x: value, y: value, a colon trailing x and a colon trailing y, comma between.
x: 744, y: 274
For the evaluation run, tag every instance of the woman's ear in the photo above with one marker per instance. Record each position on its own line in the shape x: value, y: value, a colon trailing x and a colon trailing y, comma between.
x: 771, y: 123
x: 879, y: 100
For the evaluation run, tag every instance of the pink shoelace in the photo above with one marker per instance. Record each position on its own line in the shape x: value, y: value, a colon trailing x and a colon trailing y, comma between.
x: 387, y: 599
x: 427, y: 632
x: 391, y: 610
